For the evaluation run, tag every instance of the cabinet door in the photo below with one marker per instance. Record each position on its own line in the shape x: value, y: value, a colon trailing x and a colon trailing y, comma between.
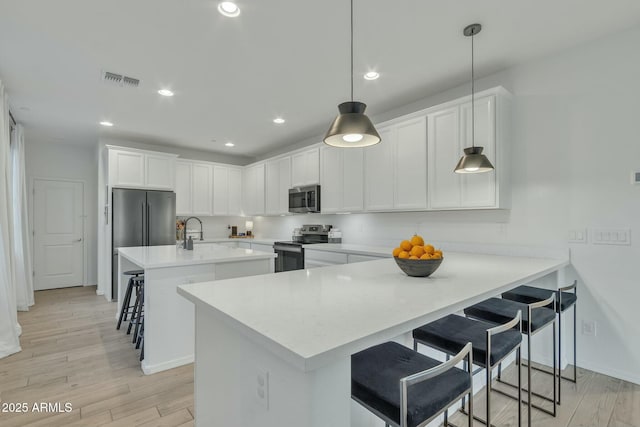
x: 284, y: 180
x: 220, y: 190
x: 235, y: 191
x: 378, y: 170
x: 479, y: 189
x: 331, y: 192
x: 201, y: 189
x: 272, y: 187
x: 258, y: 192
x: 159, y: 172
x: 353, y: 180
x: 305, y: 168
x: 410, y: 164
x: 126, y: 169
x: 183, y: 188
x: 444, y: 152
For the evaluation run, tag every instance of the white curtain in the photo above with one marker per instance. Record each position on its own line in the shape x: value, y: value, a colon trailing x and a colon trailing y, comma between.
x: 21, y: 245
x: 9, y: 327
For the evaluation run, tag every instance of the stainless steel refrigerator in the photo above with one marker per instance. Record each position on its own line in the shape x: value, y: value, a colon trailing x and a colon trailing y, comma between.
x: 141, y: 218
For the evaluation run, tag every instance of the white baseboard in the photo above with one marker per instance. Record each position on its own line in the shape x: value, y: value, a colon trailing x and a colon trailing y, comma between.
x: 632, y: 377
x: 152, y: 369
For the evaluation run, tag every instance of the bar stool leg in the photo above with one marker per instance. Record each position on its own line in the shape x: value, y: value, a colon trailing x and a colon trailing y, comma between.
x: 134, y: 314
x: 529, y: 367
x: 124, y: 309
x: 140, y: 314
x: 519, y: 365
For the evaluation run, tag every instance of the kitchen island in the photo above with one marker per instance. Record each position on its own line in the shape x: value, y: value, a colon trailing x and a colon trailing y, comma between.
x: 274, y: 350
x: 169, y: 331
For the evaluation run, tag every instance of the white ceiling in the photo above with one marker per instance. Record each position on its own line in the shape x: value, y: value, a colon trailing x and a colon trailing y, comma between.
x: 279, y: 57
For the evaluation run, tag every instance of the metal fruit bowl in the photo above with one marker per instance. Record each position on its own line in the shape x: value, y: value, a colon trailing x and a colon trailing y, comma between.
x: 418, y: 267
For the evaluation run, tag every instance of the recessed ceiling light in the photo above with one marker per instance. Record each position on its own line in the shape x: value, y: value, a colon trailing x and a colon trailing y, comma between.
x: 106, y: 123
x: 165, y: 92
x: 228, y: 8
x: 278, y: 120
x: 371, y: 75
x: 229, y: 144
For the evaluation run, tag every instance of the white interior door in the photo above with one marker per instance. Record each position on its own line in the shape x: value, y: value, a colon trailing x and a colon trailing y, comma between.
x: 58, y: 242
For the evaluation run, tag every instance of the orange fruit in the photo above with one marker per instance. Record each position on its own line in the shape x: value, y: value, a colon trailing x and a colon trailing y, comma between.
x: 436, y: 256
x: 425, y: 256
x: 403, y: 255
x: 413, y: 257
x: 417, y: 240
x: 429, y: 249
x: 406, y: 245
x: 417, y: 251
x: 438, y: 251
x: 397, y: 251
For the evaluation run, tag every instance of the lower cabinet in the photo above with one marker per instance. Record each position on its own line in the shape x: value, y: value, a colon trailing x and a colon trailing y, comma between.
x: 316, y: 258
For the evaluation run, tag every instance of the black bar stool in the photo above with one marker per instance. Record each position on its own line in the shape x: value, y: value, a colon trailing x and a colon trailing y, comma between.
x: 408, y: 389
x: 565, y: 300
x: 126, y: 308
x: 491, y: 345
x: 138, y: 313
x: 535, y: 318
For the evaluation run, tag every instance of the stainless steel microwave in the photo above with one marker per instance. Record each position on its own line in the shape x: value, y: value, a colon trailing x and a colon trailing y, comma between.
x: 304, y: 199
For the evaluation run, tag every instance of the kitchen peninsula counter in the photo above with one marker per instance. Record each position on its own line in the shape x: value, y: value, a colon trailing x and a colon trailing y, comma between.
x: 299, y: 329
x: 169, y: 328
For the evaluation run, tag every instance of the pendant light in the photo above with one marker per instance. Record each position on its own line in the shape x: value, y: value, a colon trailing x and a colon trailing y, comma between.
x: 473, y: 161
x: 352, y: 128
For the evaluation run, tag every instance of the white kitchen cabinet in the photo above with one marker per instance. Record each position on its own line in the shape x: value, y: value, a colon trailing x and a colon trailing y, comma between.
x: 353, y: 258
x: 201, y: 189
x: 194, y: 182
x: 449, y: 133
x: 277, y: 184
x: 261, y: 247
x: 253, y: 194
x: 130, y: 168
x: 235, y: 191
x: 341, y: 179
x: 410, y: 164
x: 395, y: 169
x: 227, y: 190
x: 184, y: 178
x: 305, y: 167
x: 379, y: 173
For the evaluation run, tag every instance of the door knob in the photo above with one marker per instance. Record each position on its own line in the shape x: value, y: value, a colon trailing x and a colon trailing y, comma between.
x: 79, y: 240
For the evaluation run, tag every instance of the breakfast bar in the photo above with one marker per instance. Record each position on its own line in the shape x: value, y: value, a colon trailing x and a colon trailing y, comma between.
x: 274, y: 350
x: 169, y: 327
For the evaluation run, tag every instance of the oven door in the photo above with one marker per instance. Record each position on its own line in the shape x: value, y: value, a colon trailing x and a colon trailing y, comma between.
x: 288, y: 258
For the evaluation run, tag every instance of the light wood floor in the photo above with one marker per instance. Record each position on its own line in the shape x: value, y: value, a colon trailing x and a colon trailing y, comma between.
x: 72, y: 353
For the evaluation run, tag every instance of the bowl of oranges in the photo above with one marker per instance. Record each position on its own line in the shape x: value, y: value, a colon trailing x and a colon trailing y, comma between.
x: 417, y: 259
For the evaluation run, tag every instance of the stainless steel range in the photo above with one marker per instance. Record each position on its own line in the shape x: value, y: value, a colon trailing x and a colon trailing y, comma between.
x: 291, y: 253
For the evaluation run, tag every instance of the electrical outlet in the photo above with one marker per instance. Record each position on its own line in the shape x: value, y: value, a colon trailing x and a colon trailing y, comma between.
x: 262, y: 389
x: 589, y: 328
x: 578, y: 236
x: 611, y: 236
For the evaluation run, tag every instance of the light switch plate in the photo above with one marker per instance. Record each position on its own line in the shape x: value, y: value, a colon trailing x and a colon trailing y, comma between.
x: 611, y: 236
x: 578, y: 235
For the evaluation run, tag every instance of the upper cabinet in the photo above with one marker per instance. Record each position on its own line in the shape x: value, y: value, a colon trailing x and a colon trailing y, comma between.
x: 341, y: 179
x: 277, y: 184
x: 227, y: 190
x: 194, y: 184
x: 305, y: 167
x: 450, y: 131
x: 253, y: 190
x: 395, y: 169
x: 130, y: 168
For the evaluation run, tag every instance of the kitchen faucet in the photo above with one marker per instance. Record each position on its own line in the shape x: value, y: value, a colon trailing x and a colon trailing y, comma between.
x: 185, y: 230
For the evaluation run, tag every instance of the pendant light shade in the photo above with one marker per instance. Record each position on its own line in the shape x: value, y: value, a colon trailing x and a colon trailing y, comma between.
x: 473, y: 161
x: 352, y: 128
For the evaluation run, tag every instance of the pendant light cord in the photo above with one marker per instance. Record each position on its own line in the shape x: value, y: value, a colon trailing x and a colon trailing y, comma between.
x: 473, y: 99
x: 351, y: 50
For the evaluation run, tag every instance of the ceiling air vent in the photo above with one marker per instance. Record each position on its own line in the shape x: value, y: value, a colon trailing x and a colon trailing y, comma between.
x: 119, y: 79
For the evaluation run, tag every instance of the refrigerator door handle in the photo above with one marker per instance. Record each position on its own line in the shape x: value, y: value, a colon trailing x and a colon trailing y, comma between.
x: 147, y: 222
x: 142, y: 228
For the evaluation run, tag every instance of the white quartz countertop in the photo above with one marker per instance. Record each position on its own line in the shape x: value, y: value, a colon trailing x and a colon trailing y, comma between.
x: 311, y: 317
x: 261, y: 240
x: 350, y: 249
x: 171, y: 256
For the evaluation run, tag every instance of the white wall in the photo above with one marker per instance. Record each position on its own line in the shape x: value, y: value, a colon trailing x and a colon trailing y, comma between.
x: 574, y: 146
x: 57, y: 160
